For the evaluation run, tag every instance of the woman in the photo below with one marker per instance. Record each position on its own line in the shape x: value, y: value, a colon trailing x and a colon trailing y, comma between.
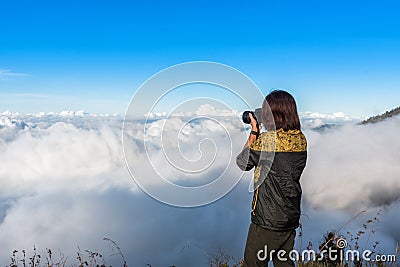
x: 279, y: 157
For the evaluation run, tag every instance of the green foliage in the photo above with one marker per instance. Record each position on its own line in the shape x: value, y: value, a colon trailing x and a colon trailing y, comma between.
x: 378, y: 118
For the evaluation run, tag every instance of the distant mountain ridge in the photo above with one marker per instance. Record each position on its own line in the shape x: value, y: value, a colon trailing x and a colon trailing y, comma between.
x: 381, y: 117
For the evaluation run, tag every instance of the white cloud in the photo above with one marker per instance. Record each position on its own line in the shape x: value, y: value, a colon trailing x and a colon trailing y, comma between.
x: 61, y: 154
x: 209, y: 110
x: 64, y: 185
x: 353, y: 167
x: 7, y: 74
x: 316, y: 119
x: 334, y: 116
x: 308, y: 119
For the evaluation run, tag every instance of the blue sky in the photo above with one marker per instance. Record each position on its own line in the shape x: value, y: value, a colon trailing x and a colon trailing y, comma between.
x: 93, y: 55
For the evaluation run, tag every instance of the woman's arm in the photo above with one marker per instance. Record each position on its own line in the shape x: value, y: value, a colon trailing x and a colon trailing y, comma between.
x: 248, y: 158
x: 254, y: 128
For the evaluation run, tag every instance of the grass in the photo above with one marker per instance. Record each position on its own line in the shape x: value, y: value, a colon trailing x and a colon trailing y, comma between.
x: 87, y: 258
x: 330, y: 243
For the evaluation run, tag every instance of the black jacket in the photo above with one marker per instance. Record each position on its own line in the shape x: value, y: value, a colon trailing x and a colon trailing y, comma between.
x: 279, y: 157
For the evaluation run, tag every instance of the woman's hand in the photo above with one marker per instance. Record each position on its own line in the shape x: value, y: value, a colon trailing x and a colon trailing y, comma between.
x: 255, y: 128
x: 253, y: 123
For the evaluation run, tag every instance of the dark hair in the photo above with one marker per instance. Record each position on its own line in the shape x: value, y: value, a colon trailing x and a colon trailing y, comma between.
x: 279, y: 110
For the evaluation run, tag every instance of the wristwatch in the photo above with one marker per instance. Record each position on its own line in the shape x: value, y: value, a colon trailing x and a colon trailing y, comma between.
x: 254, y: 133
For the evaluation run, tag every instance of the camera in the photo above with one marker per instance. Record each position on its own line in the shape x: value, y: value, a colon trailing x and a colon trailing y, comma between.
x: 256, y: 115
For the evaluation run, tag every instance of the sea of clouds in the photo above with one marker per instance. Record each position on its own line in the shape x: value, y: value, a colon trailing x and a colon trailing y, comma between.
x: 64, y: 185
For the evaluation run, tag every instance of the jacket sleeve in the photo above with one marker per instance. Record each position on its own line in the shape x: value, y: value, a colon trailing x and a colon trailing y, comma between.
x: 247, y: 159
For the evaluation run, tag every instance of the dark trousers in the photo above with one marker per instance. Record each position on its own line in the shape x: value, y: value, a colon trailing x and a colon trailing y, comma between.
x: 266, y: 240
